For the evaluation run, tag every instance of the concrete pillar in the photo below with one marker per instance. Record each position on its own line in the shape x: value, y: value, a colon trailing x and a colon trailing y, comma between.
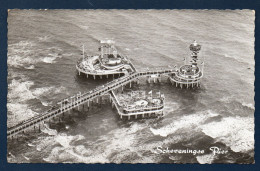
x: 94, y: 77
x: 136, y: 116
x: 107, y: 75
x: 87, y: 75
x: 121, y: 117
x: 149, y: 80
x: 129, y: 117
x: 137, y: 81
x: 100, y: 76
x: 79, y: 72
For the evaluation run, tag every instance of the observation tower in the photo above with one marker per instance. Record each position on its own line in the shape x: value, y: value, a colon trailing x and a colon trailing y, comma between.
x: 191, y: 73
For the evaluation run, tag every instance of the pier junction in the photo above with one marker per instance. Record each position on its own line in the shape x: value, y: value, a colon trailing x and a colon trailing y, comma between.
x: 187, y: 76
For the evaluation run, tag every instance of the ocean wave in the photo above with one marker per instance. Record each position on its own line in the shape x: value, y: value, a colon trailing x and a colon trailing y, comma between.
x: 44, y: 38
x: 24, y: 55
x: 30, y: 67
x: 27, y: 158
x: 19, y: 112
x: 240, y: 59
x: 31, y: 145
x: 19, y: 93
x: 42, y: 90
x: 20, y: 54
x: 49, y: 131
x: 19, y: 90
x: 235, y: 132
x: 206, y: 159
x: 170, y: 107
x: 49, y: 60
x: 18, y: 61
x: 249, y: 105
x: 184, y: 122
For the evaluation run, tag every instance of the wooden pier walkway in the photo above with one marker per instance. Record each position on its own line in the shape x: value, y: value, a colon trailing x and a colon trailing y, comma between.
x: 81, y: 99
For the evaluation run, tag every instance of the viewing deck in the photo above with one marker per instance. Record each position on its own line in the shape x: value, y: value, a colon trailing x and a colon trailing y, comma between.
x: 147, y: 111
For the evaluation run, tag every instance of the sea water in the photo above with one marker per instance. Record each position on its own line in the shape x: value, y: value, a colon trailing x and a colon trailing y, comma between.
x: 44, y: 46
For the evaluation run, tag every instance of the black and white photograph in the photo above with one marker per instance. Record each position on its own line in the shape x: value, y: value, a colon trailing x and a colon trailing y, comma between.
x: 131, y: 86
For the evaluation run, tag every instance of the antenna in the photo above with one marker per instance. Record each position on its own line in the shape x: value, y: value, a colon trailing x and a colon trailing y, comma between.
x: 83, y: 48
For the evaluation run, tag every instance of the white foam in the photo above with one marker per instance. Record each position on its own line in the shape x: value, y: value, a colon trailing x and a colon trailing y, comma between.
x: 49, y: 60
x: 45, y: 103
x: 205, y: 159
x: 20, y: 90
x: 19, y: 112
x: 44, y: 38
x: 64, y: 140
x: 49, y: 131
x: 30, y: 67
x: 184, y: 122
x: 170, y: 107
x: 235, y: 132
x: 30, y: 145
x: 227, y: 99
x: 27, y: 158
x: 249, y: 105
x: 42, y: 90
x: 20, y: 61
x: 20, y: 54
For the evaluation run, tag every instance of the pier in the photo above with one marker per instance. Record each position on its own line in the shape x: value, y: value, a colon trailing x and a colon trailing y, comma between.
x: 188, y: 75
x: 82, y: 99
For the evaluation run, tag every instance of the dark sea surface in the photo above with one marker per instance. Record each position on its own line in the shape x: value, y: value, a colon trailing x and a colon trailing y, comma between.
x: 44, y: 46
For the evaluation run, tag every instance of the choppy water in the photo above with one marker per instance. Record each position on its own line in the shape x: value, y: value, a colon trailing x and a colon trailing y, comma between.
x: 43, y: 47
